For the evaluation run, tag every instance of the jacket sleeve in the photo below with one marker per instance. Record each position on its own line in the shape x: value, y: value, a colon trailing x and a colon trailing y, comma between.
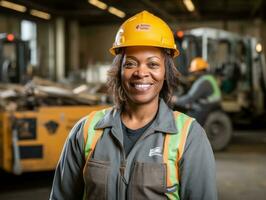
x: 197, y: 167
x: 199, y: 90
x: 68, y: 181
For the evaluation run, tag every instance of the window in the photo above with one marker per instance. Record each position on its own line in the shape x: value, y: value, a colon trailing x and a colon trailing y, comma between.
x: 29, y: 33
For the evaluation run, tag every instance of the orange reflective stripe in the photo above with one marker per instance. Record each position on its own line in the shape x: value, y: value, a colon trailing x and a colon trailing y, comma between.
x: 86, y: 127
x: 165, y: 159
x: 183, y: 138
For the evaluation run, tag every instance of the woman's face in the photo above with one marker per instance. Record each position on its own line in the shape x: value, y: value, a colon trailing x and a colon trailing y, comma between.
x: 143, y: 74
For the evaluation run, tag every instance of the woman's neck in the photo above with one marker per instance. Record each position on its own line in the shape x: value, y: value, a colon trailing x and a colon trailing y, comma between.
x: 136, y: 116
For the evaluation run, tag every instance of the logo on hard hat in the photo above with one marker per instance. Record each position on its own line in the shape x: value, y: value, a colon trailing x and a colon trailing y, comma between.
x: 119, y: 39
x: 143, y: 27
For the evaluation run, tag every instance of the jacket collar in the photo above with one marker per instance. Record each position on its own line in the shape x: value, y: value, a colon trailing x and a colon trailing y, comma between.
x: 164, y: 120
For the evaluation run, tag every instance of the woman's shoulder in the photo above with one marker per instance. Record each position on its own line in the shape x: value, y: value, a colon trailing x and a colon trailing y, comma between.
x: 197, y: 135
x: 97, y: 118
x: 76, y: 131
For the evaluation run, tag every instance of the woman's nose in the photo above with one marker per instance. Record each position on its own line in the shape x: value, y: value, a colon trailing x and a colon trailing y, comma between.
x: 141, y: 71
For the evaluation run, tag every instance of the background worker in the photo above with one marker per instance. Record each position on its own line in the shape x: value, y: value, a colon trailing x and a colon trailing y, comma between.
x: 138, y: 149
x: 204, y: 95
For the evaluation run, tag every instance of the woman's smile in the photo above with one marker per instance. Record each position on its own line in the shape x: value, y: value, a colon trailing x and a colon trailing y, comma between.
x: 141, y: 86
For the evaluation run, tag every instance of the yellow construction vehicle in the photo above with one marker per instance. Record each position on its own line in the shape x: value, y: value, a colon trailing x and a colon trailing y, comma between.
x: 32, y: 140
x: 32, y: 135
x: 238, y: 63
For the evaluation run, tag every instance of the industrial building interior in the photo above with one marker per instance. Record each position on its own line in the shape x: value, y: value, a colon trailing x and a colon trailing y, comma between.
x: 54, y: 58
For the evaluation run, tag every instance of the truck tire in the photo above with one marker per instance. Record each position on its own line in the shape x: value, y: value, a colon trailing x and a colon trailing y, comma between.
x: 218, y: 128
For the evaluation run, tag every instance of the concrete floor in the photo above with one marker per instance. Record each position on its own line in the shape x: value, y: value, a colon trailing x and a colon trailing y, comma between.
x: 241, y: 173
x: 241, y: 169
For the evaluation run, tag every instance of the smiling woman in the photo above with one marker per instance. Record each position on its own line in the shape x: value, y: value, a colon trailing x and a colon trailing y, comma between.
x: 139, y: 149
x: 141, y: 75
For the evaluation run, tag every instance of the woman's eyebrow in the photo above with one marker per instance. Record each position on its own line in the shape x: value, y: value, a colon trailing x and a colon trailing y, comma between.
x: 131, y: 57
x: 153, y: 57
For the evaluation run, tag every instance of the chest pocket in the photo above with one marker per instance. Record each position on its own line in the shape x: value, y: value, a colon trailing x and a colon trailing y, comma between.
x: 96, y: 175
x: 148, y: 181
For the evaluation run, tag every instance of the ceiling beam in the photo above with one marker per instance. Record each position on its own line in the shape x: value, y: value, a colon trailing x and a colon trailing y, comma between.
x: 258, y: 4
x: 163, y: 13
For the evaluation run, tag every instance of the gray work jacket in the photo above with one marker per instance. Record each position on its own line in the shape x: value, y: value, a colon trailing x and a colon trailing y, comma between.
x: 109, y: 174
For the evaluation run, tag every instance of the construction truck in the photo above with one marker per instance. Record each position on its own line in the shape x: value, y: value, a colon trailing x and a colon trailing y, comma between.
x: 238, y: 63
x: 32, y: 140
x: 36, y: 118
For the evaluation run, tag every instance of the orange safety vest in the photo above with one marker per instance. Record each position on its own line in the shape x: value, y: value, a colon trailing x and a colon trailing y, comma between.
x: 174, y: 145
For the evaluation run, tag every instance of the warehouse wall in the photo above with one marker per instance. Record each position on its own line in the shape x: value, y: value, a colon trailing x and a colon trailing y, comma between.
x: 251, y: 28
x: 95, y: 40
x: 9, y: 24
x: 45, y: 49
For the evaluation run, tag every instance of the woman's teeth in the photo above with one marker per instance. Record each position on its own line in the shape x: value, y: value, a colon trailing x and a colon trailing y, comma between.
x: 142, y: 87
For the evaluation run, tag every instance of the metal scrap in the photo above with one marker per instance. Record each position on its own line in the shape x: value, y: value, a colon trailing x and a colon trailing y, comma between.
x: 41, y: 92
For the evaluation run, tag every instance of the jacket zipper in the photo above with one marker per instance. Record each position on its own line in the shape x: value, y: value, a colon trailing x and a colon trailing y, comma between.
x: 122, y: 170
x: 147, y: 133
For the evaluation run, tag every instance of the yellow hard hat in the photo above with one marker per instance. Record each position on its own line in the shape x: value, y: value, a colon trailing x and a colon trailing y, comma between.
x: 144, y: 29
x: 198, y: 64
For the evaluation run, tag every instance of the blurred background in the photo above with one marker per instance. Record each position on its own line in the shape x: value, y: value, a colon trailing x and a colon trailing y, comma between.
x: 53, y: 62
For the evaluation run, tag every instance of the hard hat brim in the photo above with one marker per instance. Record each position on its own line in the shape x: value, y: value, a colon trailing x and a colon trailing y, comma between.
x: 174, y: 51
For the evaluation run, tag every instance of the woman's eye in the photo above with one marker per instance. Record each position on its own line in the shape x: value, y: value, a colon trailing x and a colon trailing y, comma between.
x: 129, y: 64
x: 153, y: 65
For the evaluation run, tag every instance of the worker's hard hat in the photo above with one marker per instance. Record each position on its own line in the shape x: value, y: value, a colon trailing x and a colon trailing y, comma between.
x: 198, y: 64
x: 145, y: 29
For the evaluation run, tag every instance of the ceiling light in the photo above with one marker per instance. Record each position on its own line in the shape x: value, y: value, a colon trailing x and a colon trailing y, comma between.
x: 116, y: 12
x: 189, y: 5
x: 40, y: 14
x: 98, y: 4
x: 13, y: 6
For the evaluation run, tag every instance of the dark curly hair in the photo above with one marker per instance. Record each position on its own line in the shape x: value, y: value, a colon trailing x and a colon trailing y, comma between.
x: 114, y: 82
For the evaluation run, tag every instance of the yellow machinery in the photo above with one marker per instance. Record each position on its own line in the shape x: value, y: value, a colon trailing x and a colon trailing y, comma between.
x: 33, y: 140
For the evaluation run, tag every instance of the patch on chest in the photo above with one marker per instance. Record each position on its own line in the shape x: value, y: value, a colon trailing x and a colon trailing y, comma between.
x: 157, y: 151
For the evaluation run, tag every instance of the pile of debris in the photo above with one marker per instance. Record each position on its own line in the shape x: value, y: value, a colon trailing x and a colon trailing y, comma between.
x: 40, y: 92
